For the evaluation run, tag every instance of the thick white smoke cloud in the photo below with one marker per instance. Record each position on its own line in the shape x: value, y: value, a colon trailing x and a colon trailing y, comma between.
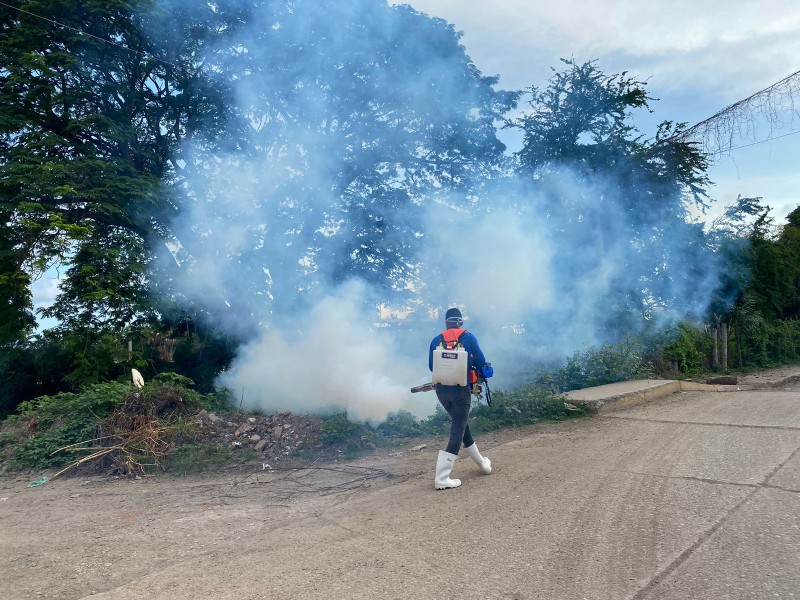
x: 498, y: 264
x: 338, y: 361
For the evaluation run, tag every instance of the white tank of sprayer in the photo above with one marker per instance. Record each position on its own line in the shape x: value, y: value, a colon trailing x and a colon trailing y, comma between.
x: 450, y: 366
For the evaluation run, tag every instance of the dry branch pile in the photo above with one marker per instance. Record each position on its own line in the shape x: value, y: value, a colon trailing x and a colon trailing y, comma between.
x: 136, y: 438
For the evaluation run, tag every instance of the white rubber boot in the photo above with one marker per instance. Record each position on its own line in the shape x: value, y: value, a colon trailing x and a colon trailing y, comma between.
x: 484, y: 463
x: 444, y: 466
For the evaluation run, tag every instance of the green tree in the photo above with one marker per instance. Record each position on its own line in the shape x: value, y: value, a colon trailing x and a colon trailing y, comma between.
x: 16, y: 323
x: 627, y: 196
x: 359, y: 114
x: 16, y: 309
x: 760, y: 286
x: 92, y: 121
x: 789, y: 238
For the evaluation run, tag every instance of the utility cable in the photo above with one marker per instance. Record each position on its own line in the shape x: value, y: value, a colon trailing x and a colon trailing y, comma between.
x: 79, y: 32
x: 777, y: 137
x: 716, y: 134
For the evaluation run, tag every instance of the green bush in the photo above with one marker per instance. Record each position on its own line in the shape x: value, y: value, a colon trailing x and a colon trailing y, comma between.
x: 338, y: 430
x: 687, y: 350
x: 597, y: 366
x: 403, y: 425
x: 174, y: 379
x: 49, y: 423
x: 776, y: 343
x: 63, y: 419
x: 438, y: 423
x: 220, y: 400
x: 784, y: 341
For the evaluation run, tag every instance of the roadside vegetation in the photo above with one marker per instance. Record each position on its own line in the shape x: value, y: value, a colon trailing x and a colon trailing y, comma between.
x: 166, y: 426
x: 119, y: 170
x: 115, y: 428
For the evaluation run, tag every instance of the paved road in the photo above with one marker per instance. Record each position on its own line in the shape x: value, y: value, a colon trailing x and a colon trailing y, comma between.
x: 694, y: 496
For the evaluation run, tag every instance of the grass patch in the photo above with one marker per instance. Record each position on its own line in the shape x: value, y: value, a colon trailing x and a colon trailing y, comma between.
x: 518, y: 408
x: 521, y: 407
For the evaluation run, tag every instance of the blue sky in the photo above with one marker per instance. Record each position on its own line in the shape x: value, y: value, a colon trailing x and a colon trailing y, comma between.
x: 697, y: 57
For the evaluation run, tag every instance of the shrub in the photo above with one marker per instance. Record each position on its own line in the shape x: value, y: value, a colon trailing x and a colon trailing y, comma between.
x: 687, y: 350
x: 60, y: 420
x: 402, y: 425
x: 597, y: 366
x: 776, y: 343
x: 140, y: 425
x: 338, y: 430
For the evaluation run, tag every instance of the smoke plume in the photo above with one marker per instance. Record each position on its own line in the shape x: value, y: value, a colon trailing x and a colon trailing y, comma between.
x: 356, y: 216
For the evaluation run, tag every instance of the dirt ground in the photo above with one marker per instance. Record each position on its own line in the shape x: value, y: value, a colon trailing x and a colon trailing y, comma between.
x: 224, y: 534
x: 78, y: 536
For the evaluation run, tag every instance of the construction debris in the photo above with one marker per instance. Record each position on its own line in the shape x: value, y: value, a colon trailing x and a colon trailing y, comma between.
x: 274, y: 437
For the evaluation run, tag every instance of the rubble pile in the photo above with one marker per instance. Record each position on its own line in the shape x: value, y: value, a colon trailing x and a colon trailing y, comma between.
x: 275, y: 437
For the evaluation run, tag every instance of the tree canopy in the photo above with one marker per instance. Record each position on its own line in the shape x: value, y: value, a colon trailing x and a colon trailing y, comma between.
x: 198, y: 168
x: 628, y: 198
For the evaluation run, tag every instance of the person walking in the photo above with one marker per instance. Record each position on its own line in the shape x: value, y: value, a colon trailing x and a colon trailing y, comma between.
x: 456, y: 399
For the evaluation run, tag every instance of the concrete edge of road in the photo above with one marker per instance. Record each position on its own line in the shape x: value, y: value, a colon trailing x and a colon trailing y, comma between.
x: 625, y: 394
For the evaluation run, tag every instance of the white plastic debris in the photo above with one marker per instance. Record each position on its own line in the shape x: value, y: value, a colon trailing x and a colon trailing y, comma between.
x: 138, y: 380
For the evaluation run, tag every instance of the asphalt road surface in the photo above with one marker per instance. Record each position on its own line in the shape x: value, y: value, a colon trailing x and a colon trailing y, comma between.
x: 694, y: 496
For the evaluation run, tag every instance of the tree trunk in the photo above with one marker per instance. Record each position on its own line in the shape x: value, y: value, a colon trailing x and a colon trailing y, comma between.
x: 723, y: 334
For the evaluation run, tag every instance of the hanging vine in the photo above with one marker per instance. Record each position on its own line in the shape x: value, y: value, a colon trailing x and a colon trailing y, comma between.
x: 771, y: 113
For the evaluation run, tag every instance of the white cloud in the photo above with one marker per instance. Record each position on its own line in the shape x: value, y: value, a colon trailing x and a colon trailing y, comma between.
x: 698, y: 58
x: 728, y: 48
x: 45, y: 289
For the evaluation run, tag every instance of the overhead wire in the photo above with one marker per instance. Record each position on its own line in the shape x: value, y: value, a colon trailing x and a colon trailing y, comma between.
x: 688, y: 132
x: 84, y: 33
x: 777, y: 137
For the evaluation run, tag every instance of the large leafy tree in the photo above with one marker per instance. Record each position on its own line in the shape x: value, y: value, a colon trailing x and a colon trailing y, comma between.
x: 627, y: 197
x: 264, y: 148
x: 16, y: 322
x: 16, y: 310
x: 359, y: 114
x: 94, y: 117
x: 789, y: 238
x: 91, y: 124
x: 775, y: 263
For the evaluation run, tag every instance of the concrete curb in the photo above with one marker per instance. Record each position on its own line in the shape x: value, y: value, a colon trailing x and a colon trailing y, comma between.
x: 622, y: 395
x: 692, y: 386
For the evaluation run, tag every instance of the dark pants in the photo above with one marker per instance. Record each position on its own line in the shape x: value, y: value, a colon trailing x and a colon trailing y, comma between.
x: 457, y: 401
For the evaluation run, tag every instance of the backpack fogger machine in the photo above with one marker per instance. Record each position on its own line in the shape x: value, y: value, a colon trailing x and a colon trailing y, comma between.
x: 452, y: 370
